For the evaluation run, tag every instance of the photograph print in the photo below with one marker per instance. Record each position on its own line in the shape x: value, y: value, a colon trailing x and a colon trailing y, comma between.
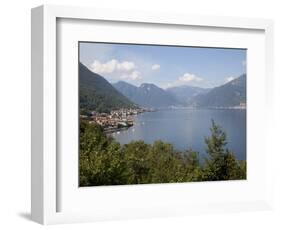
x: 152, y: 114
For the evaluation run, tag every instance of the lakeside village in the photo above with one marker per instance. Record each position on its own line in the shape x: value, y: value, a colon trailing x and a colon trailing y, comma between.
x: 115, y: 120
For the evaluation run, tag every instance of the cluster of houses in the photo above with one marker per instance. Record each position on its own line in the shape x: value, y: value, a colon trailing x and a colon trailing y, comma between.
x: 116, y: 119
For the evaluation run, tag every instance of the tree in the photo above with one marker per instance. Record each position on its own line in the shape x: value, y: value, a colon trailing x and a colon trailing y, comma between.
x: 193, y: 170
x: 137, y: 162
x: 165, y: 164
x: 221, y: 163
x: 101, y: 160
x: 214, y: 164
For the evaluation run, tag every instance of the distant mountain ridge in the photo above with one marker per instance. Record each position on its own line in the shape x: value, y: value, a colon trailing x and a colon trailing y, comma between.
x: 146, y: 95
x: 185, y: 93
x: 230, y: 94
x: 96, y: 93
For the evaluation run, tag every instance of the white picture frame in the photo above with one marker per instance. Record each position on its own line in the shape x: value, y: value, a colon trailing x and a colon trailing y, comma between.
x: 46, y: 182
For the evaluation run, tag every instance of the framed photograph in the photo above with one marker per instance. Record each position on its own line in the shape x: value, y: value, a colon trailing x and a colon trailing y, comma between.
x: 140, y: 114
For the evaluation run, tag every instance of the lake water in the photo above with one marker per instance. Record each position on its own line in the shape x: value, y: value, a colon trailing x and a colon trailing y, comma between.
x: 186, y: 128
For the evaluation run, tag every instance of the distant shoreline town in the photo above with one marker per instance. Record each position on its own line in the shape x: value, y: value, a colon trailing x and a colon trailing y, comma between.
x: 115, y: 120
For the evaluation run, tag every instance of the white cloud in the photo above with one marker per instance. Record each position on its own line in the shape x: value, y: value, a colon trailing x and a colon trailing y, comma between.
x: 186, y: 79
x: 118, y: 70
x: 228, y: 79
x: 135, y: 75
x: 112, y: 66
x: 244, y: 63
x: 126, y: 66
x: 155, y: 67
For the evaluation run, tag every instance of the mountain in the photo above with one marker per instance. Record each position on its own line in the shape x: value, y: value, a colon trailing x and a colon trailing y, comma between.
x: 230, y: 94
x: 126, y: 89
x: 184, y: 94
x: 146, y: 95
x: 96, y: 93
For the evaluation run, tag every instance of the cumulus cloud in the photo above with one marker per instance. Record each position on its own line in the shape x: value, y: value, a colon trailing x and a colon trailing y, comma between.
x: 112, y: 66
x: 186, y: 79
x: 155, y: 67
x: 123, y: 70
x: 135, y: 75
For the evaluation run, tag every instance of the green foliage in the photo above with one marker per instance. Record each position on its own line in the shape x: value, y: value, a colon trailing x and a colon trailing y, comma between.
x: 101, y: 159
x: 221, y: 163
x: 136, y: 156
x: 105, y: 162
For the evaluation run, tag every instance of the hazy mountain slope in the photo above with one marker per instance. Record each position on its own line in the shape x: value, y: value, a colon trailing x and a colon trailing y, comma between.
x: 184, y: 94
x: 230, y: 94
x: 96, y: 93
x: 147, y: 95
x: 126, y: 89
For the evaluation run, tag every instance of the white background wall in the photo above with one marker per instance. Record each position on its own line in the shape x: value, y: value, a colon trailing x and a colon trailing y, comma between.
x: 15, y: 112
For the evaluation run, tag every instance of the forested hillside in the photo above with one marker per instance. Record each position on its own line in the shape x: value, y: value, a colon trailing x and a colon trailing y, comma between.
x: 96, y: 93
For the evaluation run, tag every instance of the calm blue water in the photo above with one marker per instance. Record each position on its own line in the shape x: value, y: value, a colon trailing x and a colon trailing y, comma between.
x: 186, y: 128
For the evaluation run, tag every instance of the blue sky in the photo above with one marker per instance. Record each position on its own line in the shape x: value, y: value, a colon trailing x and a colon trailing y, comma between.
x: 164, y: 66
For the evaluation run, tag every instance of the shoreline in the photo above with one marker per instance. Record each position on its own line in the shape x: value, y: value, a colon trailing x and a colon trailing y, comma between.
x: 205, y: 108
x: 128, y: 123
